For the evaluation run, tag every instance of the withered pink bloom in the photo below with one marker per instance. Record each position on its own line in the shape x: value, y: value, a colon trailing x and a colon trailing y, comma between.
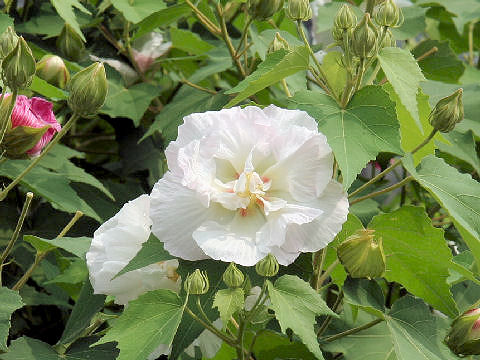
x: 148, y: 48
x: 36, y: 113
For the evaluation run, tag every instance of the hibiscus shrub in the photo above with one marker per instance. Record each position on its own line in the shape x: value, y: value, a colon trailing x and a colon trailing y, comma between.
x: 251, y: 180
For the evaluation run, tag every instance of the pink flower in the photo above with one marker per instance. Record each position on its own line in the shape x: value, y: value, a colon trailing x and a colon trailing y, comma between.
x: 36, y: 113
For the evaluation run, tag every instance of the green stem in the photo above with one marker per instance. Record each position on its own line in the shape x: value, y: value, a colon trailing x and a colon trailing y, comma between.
x: 244, y: 33
x: 370, y: 6
x: 200, y: 308
x: 5, y: 118
x: 327, y: 272
x: 241, y: 334
x: 318, y: 262
x: 353, y: 331
x: 471, y: 56
x: 328, y: 319
x: 34, y: 162
x: 39, y: 256
x: 285, y: 88
x: 383, y: 191
x: 393, y: 166
x: 16, y: 232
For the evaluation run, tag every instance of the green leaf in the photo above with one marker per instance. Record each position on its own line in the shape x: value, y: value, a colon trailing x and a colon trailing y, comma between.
x: 77, y: 246
x: 403, y: 72
x: 11, y: 301
x: 85, y: 308
x: 137, y: 10
x: 413, y: 25
x: 366, y: 294
x: 65, y: 10
x: 228, y: 302
x: 188, y: 41
x: 417, y: 255
x: 5, y: 21
x: 276, y: 67
x: 75, y: 273
x: 296, y: 305
x: 153, y: 319
x: 185, y: 102
x: 335, y: 71
x: 443, y: 65
x: 151, y: 252
x: 262, y: 41
x: 462, y: 146
x: 464, y: 10
x: 358, y: 133
x: 129, y: 102
x: 272, y: 345
x: 162, y: 18
x: 457, y: 193
x: 49, y: 91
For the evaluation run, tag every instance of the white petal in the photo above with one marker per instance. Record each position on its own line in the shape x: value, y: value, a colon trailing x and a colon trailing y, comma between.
x: 177, y: 212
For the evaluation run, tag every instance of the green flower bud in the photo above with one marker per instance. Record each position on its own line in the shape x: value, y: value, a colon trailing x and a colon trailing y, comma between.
x: 388, y: 14
x: 464, y: 335
x: 233, y: 277
x: 299, y: 10
x: 278, y: 43
x: 263, y: 9
x: 197, y: 283
x: 345, y: 18
x: 8, y: 42
x: 18, y: 67
x: 268, y: 266
x: 362, y: 256
x: 388, y: 40
x: 448, y: 112
x: 364, y: 38
x: 88, y: 90
x: 70, y: 44
x: 52, y: 69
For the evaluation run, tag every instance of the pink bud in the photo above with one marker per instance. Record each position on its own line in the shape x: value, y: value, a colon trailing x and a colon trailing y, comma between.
x: 36, y: 113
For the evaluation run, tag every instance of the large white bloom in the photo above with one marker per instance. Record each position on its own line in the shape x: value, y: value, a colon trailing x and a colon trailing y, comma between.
x: 247, y: 182
x: 117, y: 242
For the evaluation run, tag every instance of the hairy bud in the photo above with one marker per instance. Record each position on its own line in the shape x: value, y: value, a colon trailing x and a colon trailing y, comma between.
x: 364, y: 38
x: 362, y: 256
x: 299, y: 10
x: 233, y: 277
x: 464, y: 335
x: 268, y: 266
x: 18, y: 67
x: 388, y: 14
x: 278, y: 43
x: 52, y: 69
x: 8, y: 42
x: 70, y: 44
x: 263, y: 9
x: 197, y: 283
x: 88, y: 90
x: 448, y: 112
x: 345, y: 18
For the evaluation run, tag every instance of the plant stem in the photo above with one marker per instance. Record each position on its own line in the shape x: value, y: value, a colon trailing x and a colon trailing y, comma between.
x: 35, y: 161
x: 353, y: 331
x: 471, y: 27
x: 16, y: 232
x: 41, y: 255
x: 204, y: 19
x: 393, y: 166
x: 198, y: 87
x: 285, y: 88
x: 383, y: 191
x: 326, y: 273
x: 328, y: 319
x: 318, y: 262
x: 244, y: 33
x: 432, y: 51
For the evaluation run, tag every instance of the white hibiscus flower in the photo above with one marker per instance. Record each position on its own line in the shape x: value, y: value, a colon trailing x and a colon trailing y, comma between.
x: 244, y: 183
x: 117, y: 242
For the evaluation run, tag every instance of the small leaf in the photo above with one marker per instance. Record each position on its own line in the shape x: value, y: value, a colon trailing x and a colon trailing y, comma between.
x: 65, y: 10
x: 228, y: 302
x: 11, y: 301
x: 162, y: 18
x: 137, y: 10
x: 77, y: 246
x: 462, y: 146
x: 188, y: 41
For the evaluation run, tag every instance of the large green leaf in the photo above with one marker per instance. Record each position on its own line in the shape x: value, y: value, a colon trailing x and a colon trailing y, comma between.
x: 272, y: 346
x: 366, y: 294
x: 462, y: 146
x: 405, y: 75
x: 137, y: 10
x: 464, y: 10
x: 417, y: 255
x: 277, y: 66
x: 296, y: 305
x: 457, y: 193
x: 358, y: 133
x: 188, y: 41
x: 129, y: 102
x: 148, y: 322
x: 65, y: 10
x: 228, y: 302
x: 10, y: 301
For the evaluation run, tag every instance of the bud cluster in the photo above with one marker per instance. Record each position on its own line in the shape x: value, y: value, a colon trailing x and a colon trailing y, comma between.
x: 278, y: 43
x: 388, y: 14
x: 197, y: 283
x: 268, y: 266
x: 233, y: 277
x: 364, y: 38
x: 299, y: 10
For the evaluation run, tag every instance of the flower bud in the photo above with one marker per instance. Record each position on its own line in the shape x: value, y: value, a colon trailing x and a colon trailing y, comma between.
x: 448, y: 112
x: 88, y: 90
x: 268, y: 266
x: 364, y: 38
x: 263, y: 9
x: 52, y: 69
x: 8, y: 42
x: 278, y: 43
x: 70, y: 44
x: 197, y: 283
x: 299, y: 10
x: 464, y: 335
x: 388, y: 14
x: 18, y: 67
x: 233, y: 277
x: 345, y: 18
x: 362, y: 256
x: 388, y: 40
